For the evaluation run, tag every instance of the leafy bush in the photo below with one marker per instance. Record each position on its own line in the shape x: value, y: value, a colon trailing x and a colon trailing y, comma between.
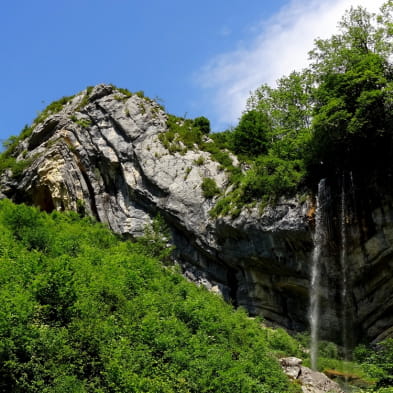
x: 209, y: 187
x: 181, y: 135
x: 156, y: 240
x: 90, y: 313
x: 377, y: 361
x: 250, y: 137
x: 203, y: 124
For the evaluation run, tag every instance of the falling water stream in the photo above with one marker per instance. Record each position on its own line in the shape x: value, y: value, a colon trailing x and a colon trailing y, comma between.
x: 343, y: 264
x: 316, y: 275
x: 322, y: 225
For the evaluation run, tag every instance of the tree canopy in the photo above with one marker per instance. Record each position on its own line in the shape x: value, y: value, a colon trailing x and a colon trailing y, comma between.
x: 333, y: 116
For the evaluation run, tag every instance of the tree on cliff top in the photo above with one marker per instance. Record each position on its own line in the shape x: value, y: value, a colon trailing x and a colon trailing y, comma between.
x: 337, y: 113
x: 352, y: 125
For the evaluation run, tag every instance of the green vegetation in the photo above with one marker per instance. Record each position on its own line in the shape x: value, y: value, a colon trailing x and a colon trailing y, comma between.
x: 209, y: 187
x: 377, y: 362
x: 17, y: 167
x: 11, y: 143
x: 82, y: 311
x: 370, y: 369
x: 199, y: 161
x: 7, y: 158
x: 84, y: 122
x: 51, y: 109
x: 7, y: 161
x: 124, y: 91
x: 203, y: 124
x: 182, y: 135
x: 334, y: 116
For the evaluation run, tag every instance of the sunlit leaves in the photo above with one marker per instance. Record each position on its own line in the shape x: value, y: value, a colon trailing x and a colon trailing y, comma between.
x: 91, y: 313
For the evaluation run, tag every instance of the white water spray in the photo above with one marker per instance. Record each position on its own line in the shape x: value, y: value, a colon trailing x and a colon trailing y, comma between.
x: 316, y: 275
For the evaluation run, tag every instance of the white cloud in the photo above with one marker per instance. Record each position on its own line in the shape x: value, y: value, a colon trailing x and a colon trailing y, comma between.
x: 280, y: 46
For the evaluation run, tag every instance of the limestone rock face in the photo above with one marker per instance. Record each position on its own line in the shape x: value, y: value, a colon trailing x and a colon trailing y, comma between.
x: 102, y: 154
x: 311, y: 381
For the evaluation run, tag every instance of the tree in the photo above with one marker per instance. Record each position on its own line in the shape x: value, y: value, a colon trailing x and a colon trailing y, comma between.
x: 352, y: 119
x: 288, y: 108
x: 203, y: 124
x: 250, y: 137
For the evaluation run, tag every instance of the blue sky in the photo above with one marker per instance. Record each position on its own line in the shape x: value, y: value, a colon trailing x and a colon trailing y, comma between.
x: 199, y: 57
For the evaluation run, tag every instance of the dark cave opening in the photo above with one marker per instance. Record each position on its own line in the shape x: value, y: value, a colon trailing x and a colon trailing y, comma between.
x: 42, y: 198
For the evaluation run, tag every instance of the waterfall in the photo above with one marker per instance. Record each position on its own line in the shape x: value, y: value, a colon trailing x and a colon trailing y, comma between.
x: 316, y: 274
x: 343, y: 265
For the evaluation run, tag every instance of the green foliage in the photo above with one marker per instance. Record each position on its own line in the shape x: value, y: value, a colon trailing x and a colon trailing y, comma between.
x: 85, y: 99
x: 82, y: 311
x: 370, y: 369
x: 352, y: 114
x: 209, y: 187
x: 351, y: 120
x: 250, y: 137
x: 26, y: 225
x: 336, y: 115
x: 84, y: 122
x: 13, y: 141
x: 199, y: 161
x: 283, y: 344
x: 181, y: 135
x: 203, y: 124
x: 7, y: 159
x: 16, y: 166
x: 126, y: 92
x: 52, y: 108
x: 155, y: 241
x: 270, y: 177
x: 377, y: 362
x: 272, y: 138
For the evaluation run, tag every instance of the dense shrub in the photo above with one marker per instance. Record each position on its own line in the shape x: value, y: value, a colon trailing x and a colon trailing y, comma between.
x: 203, y: 124
x: 209, y: 187
x: 250, y: 137
x: 90, y: 313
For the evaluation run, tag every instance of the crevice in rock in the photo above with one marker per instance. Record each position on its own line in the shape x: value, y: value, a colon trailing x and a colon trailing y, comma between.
x: 92, y: 199
x: 47, y: 131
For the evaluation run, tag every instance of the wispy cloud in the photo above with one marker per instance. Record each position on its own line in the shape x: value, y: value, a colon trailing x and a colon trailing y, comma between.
x: 279, y: 46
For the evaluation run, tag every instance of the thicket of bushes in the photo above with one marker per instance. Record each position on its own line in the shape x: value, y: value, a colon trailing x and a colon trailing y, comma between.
x: 83, y: 311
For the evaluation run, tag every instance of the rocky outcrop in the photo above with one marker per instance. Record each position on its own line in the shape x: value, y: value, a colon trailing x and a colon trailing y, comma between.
x: 311, y: 381
x: 102, y: 155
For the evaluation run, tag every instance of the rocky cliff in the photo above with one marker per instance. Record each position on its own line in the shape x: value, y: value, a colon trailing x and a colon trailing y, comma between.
x: 102, y: 154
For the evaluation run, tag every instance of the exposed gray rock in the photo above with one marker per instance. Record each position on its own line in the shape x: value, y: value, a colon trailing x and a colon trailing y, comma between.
x: 102, y: 154
x: 311, y: 381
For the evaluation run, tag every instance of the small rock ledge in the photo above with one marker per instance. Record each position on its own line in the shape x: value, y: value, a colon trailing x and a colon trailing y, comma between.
x: 311, y: 381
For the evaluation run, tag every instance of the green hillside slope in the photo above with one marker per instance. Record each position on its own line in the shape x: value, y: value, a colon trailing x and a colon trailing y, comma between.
x: 82, y: 311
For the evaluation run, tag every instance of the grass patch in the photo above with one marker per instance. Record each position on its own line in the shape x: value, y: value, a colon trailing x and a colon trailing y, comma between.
x: 209, y: 187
